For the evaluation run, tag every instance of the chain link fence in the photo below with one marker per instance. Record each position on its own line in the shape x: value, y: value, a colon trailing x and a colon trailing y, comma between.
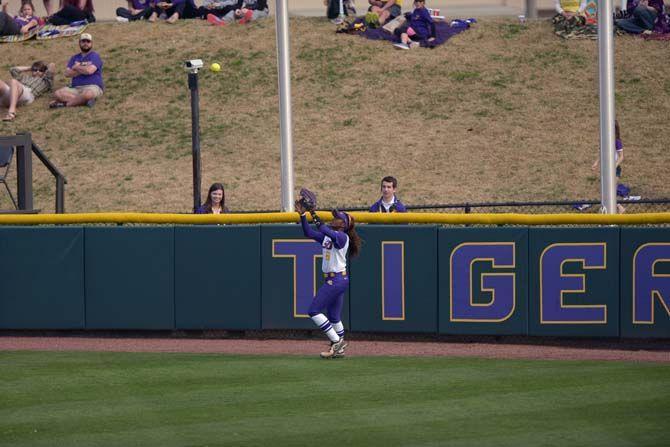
x: 558, y: 207
x: 547, y: 207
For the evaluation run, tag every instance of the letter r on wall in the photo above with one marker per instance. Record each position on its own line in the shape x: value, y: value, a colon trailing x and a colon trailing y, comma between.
x: 649, y: 285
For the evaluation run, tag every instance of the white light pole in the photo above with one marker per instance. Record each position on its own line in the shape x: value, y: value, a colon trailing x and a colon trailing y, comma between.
x: 285, y: 114
x: 607, y: 114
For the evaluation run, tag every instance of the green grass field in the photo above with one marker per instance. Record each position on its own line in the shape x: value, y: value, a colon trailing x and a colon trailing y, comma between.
x: 117, y: 399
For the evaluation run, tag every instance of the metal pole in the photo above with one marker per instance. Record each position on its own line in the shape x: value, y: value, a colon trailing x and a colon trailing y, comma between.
x: 285, y: 115
x: 60, y: 195
x: 195, y: 137
x: 606, y: 63
x: 531, y: 9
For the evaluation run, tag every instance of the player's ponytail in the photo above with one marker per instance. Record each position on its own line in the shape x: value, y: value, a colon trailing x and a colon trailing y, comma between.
x: 354, y: 239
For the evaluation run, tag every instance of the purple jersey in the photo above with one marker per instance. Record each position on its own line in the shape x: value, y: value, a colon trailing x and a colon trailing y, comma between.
x: 92, y: 58
x: 23, y: 21
x: 422, y: 23
x: 141, y: 4
x: 396, y: 207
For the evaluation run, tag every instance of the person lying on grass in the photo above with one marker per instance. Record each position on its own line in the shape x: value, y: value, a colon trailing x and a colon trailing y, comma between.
x: 21, y: 24
x: 248, y: 11
x: 419, y: 27
x: 215, y: 10
x: 27, y: 83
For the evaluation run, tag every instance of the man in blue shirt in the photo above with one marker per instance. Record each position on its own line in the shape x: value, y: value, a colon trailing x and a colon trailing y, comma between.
x: 85, y: 69
x: 388, y: 202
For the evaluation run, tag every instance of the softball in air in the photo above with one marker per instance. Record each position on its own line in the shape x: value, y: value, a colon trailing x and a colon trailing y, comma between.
x: 215, y: 67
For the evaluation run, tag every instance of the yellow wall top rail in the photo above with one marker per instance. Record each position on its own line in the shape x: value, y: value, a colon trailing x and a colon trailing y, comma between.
x: 360, y: 217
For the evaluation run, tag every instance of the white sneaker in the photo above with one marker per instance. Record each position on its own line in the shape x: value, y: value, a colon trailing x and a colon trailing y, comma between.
x: 122, y: 19
x: 414, y: 44
x: 336, y: 350
x: 401, y: 46
x: 339, y: 345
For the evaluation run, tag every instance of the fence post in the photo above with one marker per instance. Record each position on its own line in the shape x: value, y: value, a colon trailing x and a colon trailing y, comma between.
x: 195, y: 136
x: 531, y: 9
x: 60, y: 195
x: 24, y: 169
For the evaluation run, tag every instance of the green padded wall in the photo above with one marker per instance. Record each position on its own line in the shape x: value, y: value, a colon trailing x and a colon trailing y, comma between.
x: 42, y: 285
x: 483, y: 281
x: 645, y: 282
x: 217, y: 272
x: 291, y: 274
x: 574, y: 282
x: 589, y: 282
x: 394, y: 280
x: 129, y: 278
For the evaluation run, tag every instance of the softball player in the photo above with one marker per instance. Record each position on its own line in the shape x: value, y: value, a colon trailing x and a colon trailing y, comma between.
x: 337, y: 239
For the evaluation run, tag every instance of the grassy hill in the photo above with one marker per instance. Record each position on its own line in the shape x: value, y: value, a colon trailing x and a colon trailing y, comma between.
x: 498, y: 113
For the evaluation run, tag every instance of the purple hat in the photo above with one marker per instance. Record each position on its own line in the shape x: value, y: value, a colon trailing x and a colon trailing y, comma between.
x: 337, y: 214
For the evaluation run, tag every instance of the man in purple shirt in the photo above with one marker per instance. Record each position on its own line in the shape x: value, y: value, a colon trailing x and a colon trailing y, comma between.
x: 388, y: 202
x: 85, y: 69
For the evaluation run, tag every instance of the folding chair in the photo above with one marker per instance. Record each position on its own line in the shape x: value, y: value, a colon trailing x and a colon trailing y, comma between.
x: 6, y: 154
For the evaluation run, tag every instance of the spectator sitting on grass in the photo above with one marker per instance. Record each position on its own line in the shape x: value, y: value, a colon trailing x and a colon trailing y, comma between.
x: 136, y: 10
x: 570, y: 8
x: 249, y: 11
x: 174, y: 10
x: 73, y: 11
x: 646, y: 16
x: 215, y: 10
x: 419, y: 27
x: 27, y: 84
x: 618, y: 157
x: 388, y: 202
x: 48, y: 5
x: 570, y: 19
x: 85, y: 69
x: 21, y: 24
x: 386, y: 10
x: 333, y: 10
x: 216, y: 201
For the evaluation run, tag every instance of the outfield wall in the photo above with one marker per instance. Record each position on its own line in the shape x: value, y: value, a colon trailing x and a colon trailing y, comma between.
x: 588, y: 282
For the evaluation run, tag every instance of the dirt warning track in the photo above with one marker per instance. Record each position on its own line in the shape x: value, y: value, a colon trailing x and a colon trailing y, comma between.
x: 311, y: 347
